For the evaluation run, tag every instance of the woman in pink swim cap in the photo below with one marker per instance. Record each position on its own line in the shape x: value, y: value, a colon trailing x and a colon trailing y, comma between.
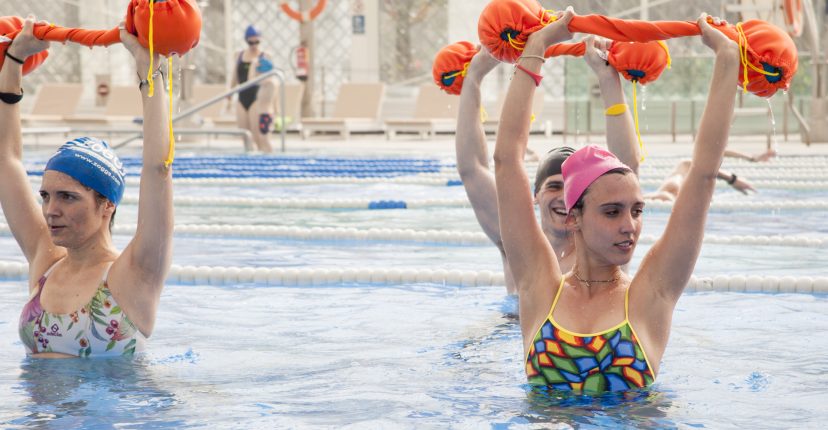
x: 596, y: 328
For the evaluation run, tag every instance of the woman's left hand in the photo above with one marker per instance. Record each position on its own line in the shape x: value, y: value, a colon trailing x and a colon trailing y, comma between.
x: 597, y: 49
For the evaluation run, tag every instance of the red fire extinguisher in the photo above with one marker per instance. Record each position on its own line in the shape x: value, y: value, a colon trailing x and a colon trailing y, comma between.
x: 301, y: 69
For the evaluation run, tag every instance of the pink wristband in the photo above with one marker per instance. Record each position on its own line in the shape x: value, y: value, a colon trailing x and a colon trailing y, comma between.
x: 535, y: 77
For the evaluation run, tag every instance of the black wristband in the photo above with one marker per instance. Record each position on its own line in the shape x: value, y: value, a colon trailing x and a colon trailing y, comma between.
x: 154, y: 75
x: 732, y: 179
x: 13, y: 58
x: 11, y: 98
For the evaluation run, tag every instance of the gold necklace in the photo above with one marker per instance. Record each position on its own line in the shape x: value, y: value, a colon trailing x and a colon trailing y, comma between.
x: 589, y: 282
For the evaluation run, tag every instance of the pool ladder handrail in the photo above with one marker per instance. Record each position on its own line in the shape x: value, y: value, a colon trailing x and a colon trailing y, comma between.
x: 277, y: 72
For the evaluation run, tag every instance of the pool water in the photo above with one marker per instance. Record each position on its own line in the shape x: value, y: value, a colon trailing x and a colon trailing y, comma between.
x: 420, y: 355
x: 412, y: 356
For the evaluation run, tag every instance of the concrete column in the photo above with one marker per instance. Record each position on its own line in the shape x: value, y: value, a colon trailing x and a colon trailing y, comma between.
x: 113, y: 60
x: 364, y: 14
x: 229, y: 33
x: 818, y: 120
x: 306, y: 38
x: 462, y: 25
x: 462, y: 22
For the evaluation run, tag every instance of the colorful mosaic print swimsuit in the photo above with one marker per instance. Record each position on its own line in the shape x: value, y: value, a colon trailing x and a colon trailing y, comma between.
x: 98, y: 329
x: 612, y: 360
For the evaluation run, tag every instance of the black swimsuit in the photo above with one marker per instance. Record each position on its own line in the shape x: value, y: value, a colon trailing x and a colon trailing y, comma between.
x: 246, y: 97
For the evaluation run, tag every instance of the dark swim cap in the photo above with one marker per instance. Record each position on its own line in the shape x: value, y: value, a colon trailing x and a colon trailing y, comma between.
x: 251, y: 31
x: 91, y: 162
x: 551, y: 165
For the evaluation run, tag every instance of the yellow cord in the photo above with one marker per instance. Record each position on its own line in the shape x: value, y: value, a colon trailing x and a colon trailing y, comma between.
x: 518, y: 45
x: 667, y: 50
x: 553, y: 16
x: 484, y: 116
x: 637, y: 130
x: 459, y: 72
x: 171, y: 154
x: 743, y: 56
x: 514, y: 42
x: 152, y: 55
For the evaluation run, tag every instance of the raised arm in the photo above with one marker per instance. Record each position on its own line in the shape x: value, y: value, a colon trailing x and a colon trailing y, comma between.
x: 472, y: 152
x: 145, y: 261
x: 620, y: 130
x: 20, y: 206
x: 528, y: 251
x: 668, y: 266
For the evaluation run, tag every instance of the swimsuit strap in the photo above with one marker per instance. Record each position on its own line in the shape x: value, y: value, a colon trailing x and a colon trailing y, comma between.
x: 42, y: 281
x: 106, y: 272
x: 52, y: 267
x: 557, y: 295
x: 627, y: 304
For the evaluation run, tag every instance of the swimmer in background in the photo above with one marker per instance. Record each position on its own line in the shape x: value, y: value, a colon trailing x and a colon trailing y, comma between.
x: 85, y: 297
x: 669, y: 189
x: 254, y: 111
x: 596, y: 328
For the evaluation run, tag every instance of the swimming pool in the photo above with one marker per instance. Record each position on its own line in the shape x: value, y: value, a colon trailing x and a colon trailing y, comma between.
x: 420, y: 354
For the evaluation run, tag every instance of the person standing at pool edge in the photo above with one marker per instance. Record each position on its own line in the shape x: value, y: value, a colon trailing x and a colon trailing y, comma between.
x: 604, y: 205
x: 254, y: 111
x: 86, y: 298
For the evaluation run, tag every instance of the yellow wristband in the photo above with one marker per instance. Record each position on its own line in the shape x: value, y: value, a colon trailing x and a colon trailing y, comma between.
x: 616, y: 110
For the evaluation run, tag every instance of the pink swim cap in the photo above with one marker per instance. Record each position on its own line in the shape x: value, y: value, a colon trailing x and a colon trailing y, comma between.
x: 582, y: 168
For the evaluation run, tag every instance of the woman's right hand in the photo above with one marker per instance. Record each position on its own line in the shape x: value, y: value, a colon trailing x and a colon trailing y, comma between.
x: 25, y: 44
x: 481, y: 64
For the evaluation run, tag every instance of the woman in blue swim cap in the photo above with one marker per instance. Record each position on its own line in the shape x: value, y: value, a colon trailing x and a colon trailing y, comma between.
x: 87, y: 298
x: 254, y: 111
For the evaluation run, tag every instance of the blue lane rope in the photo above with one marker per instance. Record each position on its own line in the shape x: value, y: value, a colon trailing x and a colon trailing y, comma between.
x: 285, y: 167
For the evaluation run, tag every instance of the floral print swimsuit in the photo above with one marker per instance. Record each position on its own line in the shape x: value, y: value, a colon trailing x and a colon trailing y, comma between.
x: 98, y: 329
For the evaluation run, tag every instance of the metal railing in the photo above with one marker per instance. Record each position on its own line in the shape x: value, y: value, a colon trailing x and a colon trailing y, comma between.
x: 278, y: 73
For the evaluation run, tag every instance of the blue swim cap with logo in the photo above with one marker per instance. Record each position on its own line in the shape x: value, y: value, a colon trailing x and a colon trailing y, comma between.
x: 91, y: 162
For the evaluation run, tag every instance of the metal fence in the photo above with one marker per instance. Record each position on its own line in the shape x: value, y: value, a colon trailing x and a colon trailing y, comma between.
x: 64, y: 64
x: 410, y: 33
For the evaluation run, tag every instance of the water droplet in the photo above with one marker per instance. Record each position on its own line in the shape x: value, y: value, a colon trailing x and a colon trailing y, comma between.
x: 774, y: 140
